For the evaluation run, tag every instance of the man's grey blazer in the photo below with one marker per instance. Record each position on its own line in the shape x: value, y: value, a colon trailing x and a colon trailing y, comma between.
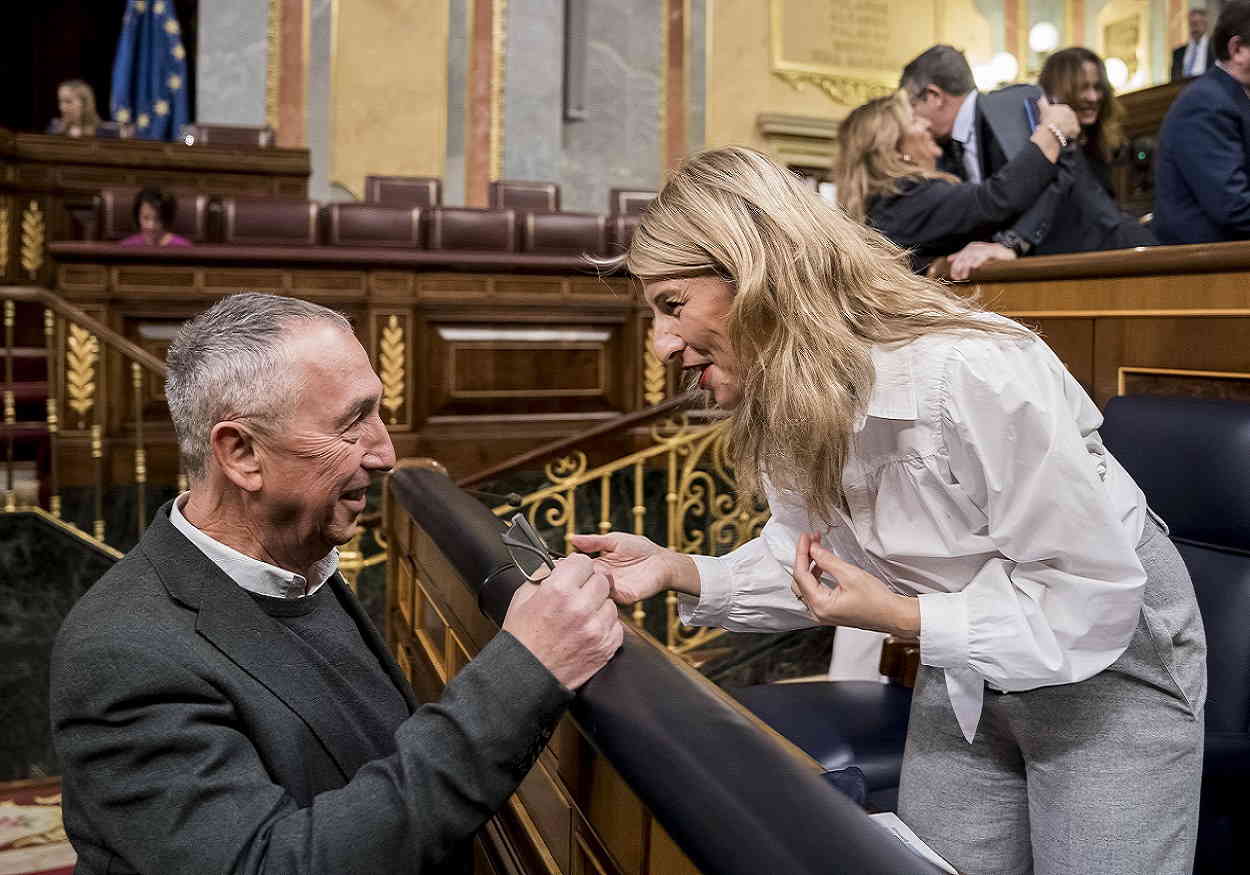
x: 193, y: 740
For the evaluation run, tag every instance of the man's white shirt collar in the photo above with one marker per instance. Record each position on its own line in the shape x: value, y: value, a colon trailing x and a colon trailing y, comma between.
x: 964, y: 128
x: 252, y: 574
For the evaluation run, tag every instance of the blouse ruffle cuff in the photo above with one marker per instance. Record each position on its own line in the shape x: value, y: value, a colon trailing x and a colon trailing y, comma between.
x: 715, y: 588
x: 944, y: 629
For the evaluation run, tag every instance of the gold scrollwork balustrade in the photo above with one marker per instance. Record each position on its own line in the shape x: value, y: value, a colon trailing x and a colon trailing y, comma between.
x: 703, y: 511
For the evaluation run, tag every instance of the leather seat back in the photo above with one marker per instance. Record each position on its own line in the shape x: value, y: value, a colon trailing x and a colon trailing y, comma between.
x: 404, y: 191
x: 269, y: 222
x: 564, y: 233
x: 513, y: 194
x: 353, y: 224
x: 115, y: 217
x: 473, y: 229
x: 629, y: 201
x: 1191, y: 457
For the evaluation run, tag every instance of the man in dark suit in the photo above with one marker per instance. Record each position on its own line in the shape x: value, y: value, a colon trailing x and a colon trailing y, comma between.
x: 1198, y: 55
x: 1202, y: 169
x: 1074, y: 214
x: 220, y: 701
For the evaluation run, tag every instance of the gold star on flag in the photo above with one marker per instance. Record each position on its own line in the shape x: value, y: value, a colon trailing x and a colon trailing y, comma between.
x: 144, y: 120
x: 159, y: 7
x: 141, y: 6
x: 171, y: 26
x: 161, y: 107
x: 175, y: 82
x: 179, y: 52
x: 122, y: 115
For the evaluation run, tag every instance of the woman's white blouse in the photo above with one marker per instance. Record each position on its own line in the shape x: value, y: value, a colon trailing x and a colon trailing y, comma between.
x: 978, y: 482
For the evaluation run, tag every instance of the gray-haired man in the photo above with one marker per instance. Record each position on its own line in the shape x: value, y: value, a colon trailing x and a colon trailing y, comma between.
x: 219, y: 699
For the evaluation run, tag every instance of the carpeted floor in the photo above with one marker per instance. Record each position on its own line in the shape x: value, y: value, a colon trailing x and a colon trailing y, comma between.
x: 32, y: 838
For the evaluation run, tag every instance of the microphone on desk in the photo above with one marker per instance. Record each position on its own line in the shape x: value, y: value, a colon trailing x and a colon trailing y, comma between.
x: 512, y: 499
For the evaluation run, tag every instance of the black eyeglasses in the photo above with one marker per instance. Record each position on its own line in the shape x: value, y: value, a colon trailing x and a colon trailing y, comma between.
x: 528, y: 551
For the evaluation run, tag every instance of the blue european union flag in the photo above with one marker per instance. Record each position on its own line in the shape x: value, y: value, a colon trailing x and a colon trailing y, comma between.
x: 150, y: 71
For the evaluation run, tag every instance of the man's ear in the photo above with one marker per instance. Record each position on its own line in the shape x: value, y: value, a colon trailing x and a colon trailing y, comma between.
x: 236, y: 454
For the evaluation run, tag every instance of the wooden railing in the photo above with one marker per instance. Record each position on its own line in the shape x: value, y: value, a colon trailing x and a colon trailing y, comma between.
x: 73, y: 372
x: 87, y: 371
x: 679, y: 490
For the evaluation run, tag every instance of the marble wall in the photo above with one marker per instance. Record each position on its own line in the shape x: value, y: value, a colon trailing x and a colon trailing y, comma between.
x: 618, y: 143
x: 230, y: 74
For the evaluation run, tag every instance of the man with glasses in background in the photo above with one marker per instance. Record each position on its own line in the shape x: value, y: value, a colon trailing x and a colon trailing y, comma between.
x: 221, y: 702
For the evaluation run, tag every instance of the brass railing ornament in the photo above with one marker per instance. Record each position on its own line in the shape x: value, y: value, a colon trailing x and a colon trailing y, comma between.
x: 4, y: 236
x: 10, y: 408
x: 703, y: 511
x: 82, y: 352
x: 97, y: 456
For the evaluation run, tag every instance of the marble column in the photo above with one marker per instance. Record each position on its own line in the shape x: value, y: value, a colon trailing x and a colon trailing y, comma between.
x: 230, y: 75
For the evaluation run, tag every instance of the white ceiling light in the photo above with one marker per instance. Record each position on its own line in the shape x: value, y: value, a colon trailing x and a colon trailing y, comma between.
x: 1043, y: 37
x: 1005, y: 67
x: 1117, y: 72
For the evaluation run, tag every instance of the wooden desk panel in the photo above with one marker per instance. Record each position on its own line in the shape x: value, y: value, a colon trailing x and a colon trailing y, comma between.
x: 480, y: 358
x: 1164, y: 320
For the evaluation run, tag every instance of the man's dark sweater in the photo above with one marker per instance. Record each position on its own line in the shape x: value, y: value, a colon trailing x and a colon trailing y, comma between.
x: 331, y: 644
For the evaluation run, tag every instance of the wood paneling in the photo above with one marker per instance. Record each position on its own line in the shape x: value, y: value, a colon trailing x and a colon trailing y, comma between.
x: 483, y: 365
x: 573, y: 814
x: 1172, y: 308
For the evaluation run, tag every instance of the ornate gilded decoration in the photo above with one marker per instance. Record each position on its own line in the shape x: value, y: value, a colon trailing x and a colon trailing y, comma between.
x: 391, y: 357
x: 81, y: 356
x: 273, y: 66
x: 703, y: 511
x: 840, y: 89
x: 32, y: 239
x: 4, y: 236
x: 499, y: 47
x: 97, y: 456
x: 653, y: 371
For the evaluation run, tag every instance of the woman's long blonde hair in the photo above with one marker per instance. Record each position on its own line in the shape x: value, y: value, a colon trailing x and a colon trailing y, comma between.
x: 813, y: 292
x: 90, y: 118
x: 868, y: 162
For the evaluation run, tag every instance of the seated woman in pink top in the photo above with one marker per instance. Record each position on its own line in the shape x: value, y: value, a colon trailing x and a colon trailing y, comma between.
x: 154, y: 212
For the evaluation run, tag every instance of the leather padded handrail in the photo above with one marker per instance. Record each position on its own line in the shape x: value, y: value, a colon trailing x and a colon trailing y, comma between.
x: 1140, y: 261
x: 736, y: 799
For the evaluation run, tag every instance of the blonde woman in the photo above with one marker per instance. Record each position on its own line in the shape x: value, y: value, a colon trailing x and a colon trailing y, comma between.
x: 76, y: 102
x: 942, y: 471
x: 887, y: 176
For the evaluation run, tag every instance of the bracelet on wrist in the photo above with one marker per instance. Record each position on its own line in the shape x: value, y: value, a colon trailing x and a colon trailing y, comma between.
x: 1054, y: 129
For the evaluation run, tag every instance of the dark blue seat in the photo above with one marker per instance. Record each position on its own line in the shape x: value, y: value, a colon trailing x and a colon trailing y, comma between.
x: 855, y: 729
x: 1191, y: 457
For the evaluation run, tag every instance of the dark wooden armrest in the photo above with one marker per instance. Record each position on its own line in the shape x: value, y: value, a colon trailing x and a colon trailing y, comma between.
x: 900, y: 660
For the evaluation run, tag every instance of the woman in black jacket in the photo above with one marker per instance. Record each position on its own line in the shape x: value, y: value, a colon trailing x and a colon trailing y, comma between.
x: 887, y: 176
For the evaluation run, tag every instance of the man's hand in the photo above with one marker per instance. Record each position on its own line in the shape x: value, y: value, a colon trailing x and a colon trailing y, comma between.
x: 639, y: 568
x: 858, y: 599
x: 568, y: 622
x: 972, y: 256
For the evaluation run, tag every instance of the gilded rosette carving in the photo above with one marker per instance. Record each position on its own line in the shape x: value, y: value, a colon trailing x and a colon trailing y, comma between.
x: 82, y: 354
x: 33, y: 234
x: 391, y: 358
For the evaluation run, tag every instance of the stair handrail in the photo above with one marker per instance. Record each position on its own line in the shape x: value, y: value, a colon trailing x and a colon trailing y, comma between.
x: 561, y: 446
x: 53, y: 301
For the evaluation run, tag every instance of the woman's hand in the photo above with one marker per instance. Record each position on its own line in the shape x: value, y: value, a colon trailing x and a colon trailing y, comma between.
x: 1060, y: 115
x: 639, y: 568
x: 975, y: 254
x: 858, y: 599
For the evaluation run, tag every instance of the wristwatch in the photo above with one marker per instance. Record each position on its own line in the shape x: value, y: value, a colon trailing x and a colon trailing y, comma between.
x: 1012, y: 241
